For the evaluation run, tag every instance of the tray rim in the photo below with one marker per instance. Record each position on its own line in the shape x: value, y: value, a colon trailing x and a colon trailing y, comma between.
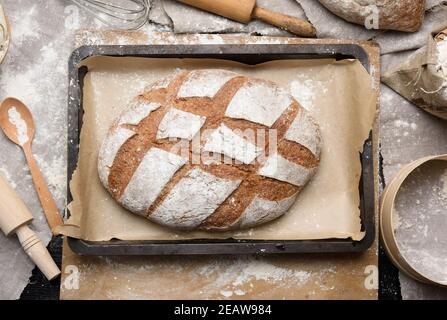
x: 226, y: 246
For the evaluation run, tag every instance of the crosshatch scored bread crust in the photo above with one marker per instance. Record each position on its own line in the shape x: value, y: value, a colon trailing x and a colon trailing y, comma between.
x: 157, y: 162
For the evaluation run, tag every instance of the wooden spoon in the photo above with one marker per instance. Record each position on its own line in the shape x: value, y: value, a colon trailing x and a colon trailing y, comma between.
x: 18, y: 125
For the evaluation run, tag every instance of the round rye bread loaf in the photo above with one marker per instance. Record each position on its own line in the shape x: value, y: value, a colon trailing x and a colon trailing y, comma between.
x: 401, y: 15
x: 210, y: 150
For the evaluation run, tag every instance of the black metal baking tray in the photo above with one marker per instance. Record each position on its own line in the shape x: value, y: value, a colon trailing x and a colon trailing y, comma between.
x: 248, y: 54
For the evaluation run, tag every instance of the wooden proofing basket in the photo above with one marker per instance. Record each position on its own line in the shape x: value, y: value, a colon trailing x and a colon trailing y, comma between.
x: 387, y: 224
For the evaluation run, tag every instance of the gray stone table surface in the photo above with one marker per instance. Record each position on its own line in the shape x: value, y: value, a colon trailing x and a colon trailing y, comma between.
x: 35, y: 71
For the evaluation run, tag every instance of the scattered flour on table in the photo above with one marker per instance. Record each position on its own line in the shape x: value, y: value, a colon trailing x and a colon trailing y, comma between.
x: 404, y: 124
x: 226, y: 294
x: 239, y: 292
x: 56, y: 174
x: 269, y: 272
x: 239, y: 274
x: 8, y: 178
x: 22, y: 130
x: 396, y: 220
x: 27, y: 28
x: 225, y: 277
x: 403, y: 128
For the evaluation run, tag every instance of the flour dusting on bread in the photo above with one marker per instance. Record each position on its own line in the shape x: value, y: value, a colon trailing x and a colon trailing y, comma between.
x: 180, y: 124
x: 223, y: 140
x: 149, y: 179
x: 193, y: 199
x: 259, y: 101
x: 204, y: 83
x: 139, y: 111
x: 277, y: 167
x: 262, y: 211
x: 305, y: 131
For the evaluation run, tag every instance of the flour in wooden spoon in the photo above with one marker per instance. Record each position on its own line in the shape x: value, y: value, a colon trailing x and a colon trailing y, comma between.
x: 22, y: 130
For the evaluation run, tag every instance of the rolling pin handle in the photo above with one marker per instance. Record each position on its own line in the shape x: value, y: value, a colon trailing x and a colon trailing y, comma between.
x: 38, y: 253
x: 289, y: 23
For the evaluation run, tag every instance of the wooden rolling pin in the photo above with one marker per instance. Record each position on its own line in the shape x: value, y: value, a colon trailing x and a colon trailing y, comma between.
x: 14, y: 218
x: 246, y: 10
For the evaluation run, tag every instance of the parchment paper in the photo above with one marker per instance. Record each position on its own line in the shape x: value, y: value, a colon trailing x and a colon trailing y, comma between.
x: 327, y: 208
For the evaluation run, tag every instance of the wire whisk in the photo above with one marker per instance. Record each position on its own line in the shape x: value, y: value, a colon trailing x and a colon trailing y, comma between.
x: 4, y: 35
x: 118, y: 14
x: 3, y: 32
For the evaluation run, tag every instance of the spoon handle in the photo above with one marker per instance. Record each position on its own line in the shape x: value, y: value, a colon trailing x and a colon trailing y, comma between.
x: 54, y: 219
